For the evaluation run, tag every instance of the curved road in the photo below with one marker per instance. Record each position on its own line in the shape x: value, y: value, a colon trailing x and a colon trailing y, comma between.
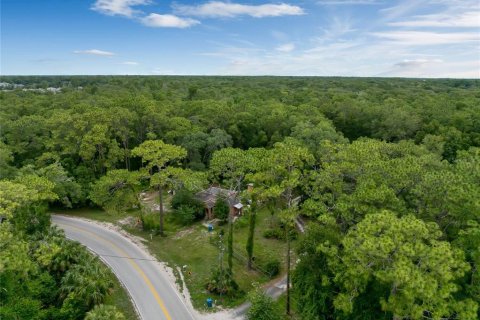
x: 152, y: 292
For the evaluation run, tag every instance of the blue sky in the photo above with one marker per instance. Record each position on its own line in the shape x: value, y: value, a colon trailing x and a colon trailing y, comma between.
x: 411, y: 38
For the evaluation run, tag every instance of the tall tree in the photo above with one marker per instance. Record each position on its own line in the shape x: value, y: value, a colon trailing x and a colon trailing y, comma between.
x: 280, y: 178
x: 116, y: 192
x: 157, y: 156
x: 252, y: 217
x: 413, y: 271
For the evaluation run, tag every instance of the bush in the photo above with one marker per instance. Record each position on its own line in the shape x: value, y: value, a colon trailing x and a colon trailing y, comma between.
x: 279, y: 234
x: 186, y: 198
x: 221, y: 209
x: 150, y: 222
x: 185, y: 214
x: 241, y: 222
x: 222, y: 283
x: 271, y: 267
x: 263, y: 307
x: 273, y: 234
x: 105, y: 312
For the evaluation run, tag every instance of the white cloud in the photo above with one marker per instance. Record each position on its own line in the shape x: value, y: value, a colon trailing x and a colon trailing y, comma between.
x: 287, y: 47
x: 423, y: 68
x: 464, y: 19
x: 168, y: 21
x: 420, y: 38
x: 215, y: 9
x: 95, y: 52
x: 118, y: 7
x: 130, y: 63
x: 349, y: 2
x: 415, y: 63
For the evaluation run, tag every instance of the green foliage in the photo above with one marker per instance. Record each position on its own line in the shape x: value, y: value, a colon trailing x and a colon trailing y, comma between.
x: 271, y: 267
x: 222, y: 283
x: 45, y: 276
x: 69, y: 192
x: 186, y: 199
x: 116, y: 191
x: 252, y: 217
x: 104, y: 312
x: 6, y: 159
x: 150, y: 222
x: 263, y: 307
x: 230, y: 247
x: 87, y: 282
x: 221, y: 209
x: 404, y: 258
x: 185, y: 214
x: 289, y: 137
x: 156, y: 153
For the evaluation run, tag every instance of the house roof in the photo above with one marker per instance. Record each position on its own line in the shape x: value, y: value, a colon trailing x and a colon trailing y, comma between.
x: 209, y: 196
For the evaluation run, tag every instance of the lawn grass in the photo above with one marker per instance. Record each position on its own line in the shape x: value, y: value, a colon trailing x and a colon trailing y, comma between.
x: 281, y: 302
x: 191, y: 246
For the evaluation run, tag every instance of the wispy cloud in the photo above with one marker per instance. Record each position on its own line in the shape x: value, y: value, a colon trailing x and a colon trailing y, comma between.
x: 95, y: 52
x: 463, y: 19
x: 130, y: 63
x: 216, y: 9
x: 168, y: 21
x: 287, y: 47
x: 421, y: 38
x: 118, y: 7
x: 415, y: 63
x: 337, y: 28
x: 349, y: 2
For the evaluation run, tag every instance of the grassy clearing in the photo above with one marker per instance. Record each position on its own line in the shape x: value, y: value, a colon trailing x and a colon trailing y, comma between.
x: 191, y: 246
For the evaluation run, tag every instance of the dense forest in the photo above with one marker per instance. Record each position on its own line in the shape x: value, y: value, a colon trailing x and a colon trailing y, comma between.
x: 385, y: 171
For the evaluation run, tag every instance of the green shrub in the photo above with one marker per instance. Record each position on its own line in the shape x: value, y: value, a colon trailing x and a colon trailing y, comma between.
x: 150, y: 222
x: 279, y: 234
x: 222, y: 282
x: 186, y: 198
x: 104, y: 312
x: 271, y: 267
x: 241, y: 222
x: 263, y: 307
x: 185, y: 214
x: 273, y: 234
x: 221, y: 209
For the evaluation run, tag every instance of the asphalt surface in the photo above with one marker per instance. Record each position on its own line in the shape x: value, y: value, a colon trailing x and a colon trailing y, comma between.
x: 154, y: 296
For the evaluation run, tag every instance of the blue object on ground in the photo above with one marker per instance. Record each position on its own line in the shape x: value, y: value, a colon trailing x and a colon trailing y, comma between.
x: 209, y: 302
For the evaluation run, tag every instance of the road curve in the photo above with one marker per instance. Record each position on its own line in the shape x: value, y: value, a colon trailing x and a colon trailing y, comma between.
x: 149, y: 287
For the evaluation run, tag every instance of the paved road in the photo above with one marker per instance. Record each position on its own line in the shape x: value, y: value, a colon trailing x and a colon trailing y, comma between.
x: 152, y: 292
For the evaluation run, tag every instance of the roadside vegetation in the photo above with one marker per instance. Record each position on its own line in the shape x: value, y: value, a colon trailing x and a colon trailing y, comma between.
x: 43, y: 275
x: 383, y: 174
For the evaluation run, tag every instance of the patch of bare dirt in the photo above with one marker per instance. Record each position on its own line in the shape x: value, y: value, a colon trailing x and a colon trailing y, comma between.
x: 183, y: 233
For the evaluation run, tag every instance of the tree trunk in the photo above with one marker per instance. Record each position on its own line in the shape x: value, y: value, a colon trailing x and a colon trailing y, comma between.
x: 230, y: 245
x: 288, y: 269
x: 251, y: 234
x: 160, y: 195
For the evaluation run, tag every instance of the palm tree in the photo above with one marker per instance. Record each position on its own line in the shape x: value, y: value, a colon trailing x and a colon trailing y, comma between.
x: 104, y: 312
x: 88, y: 282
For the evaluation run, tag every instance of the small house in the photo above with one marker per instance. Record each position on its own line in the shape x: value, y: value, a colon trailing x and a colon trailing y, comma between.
x: 209, y: 197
